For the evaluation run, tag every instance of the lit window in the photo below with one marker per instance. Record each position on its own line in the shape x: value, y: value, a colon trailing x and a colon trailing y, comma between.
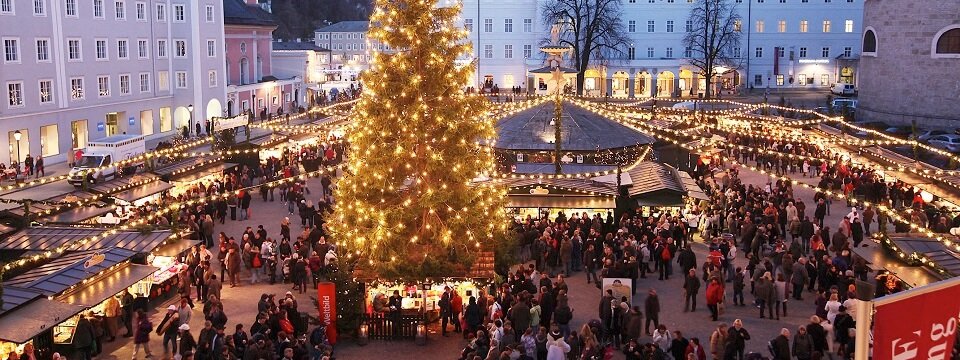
x: 803, y: 26
x: 826, y: 26
x: 782, y: 26
x: 760, y: 26
x: 46, y: 91
x: 848, y: 26
x: 15, y: 94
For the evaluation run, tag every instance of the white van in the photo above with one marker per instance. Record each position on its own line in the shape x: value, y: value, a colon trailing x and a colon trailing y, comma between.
x: 843, y: 89
x: 103, y: 153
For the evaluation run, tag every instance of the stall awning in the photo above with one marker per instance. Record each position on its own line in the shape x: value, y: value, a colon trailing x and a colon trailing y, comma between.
x: 561, y: 202
x: 175, y: 248
x: 14, y: 296
x: 878, y: 259
x: 562, y: 185
x: 690, y: 185
x: 185, y: 166
x: 650, y: 177
x: 48, y: 237
x: 123, y: 183
x: 268, y: 141
x: 98, y: 291
x: 23, y: 323
x: 143, y: 191
x: 39, y: 207
x: 77, y: 215
x: 200, y: 174
x: 59, y: 275
x: 660, y: 198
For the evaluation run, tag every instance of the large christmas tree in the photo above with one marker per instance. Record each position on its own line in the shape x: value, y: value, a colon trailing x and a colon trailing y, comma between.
x: 407, y: 206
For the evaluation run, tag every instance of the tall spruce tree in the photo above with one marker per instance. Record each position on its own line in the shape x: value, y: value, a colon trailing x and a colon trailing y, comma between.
x: 406, y: 205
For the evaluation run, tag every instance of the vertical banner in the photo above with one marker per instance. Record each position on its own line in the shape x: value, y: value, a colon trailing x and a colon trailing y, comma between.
x: 327, y: 300
x: 921, y: 325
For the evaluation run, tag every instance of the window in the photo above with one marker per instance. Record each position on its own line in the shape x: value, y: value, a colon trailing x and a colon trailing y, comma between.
x: 122, y: 47
x: 487, y: 25
x: 782, y: 26
x: 803, y: 26
x: 103, y: 86
x: 38, y: 8
x: 71, y: 7
x: 848, y: 26
x: 847, y: 51
x: 141, y: 9
x: 11, y: 50
x: 165, y: 119
x: 43, y: 50
x: 826, y: 26
x: 211, y: 48
x: 15, y: 94
x: 143, y: 50
x: 738, y: 25
x: 163, y: 81
x: 209, y: 12
x: 803, y: 52
x: 76, y: 88
x: 101, y: 46
x: 758, y: 80
x: 49, y: 140
x: 760, y: 26
x: 870, y: 42
x: 527, y: 25
x: 181, y: 48
x: 508, y: 25
x: 73, y: 50
x: 780, y: 52
x: 98, y: 9
x: 650, y: 52
x: 488, y: 51
x: 181, y: 79
x: 669, y: 26
x: 632, y: 26
x: 736, y: 51
x: 651, y: 26
x: 124, y: 84
x: 144, y: 82
x: 6, y: 7
x: 508, y: 51
x: 825, y: 79
x: 179, y: 13
x: 161, y: 12
x: 825, y: 52
x: 779, y: 79
x: 802, y: 79
x: 467, y: 24
x: 46, y: 91
x: 688, y: 52
x: 631, y: 53
x: 758, y: 53
x: 527, y: 51
x: 689, y: 26
x: 947, y: 42
x: 161, y: 48
x: 121, y: 10
x: 212, y: 78
x: 669, y: 52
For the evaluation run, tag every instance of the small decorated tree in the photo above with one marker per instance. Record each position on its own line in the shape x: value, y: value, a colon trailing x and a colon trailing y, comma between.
x: 407, y: 206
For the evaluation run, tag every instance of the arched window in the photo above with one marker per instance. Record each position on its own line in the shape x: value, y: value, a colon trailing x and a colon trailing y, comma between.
x: 869, y: 42
x: 949, y: 42
x: 244, y: 71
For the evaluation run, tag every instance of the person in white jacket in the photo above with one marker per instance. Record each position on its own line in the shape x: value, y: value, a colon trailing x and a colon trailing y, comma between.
x: 557, y: 347
x: 661, y: 337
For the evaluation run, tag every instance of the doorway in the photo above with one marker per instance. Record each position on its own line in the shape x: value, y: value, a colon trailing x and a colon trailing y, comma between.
x: 113, y: 121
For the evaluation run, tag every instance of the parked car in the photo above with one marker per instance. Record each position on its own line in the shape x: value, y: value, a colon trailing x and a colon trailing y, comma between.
x: 873, y: 125
x: 900, y: 132
x: 948, y: 142
x: 843, y: 89
x: 925, y: 135
x: 841, y: 103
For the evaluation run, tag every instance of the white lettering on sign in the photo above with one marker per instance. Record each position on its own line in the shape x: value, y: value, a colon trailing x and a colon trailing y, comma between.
x: 814, y: 61
x: 325, y: 302
x: 907, y: 349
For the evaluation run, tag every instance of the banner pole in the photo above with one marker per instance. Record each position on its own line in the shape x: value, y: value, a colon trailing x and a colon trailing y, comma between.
x: 864, y: 324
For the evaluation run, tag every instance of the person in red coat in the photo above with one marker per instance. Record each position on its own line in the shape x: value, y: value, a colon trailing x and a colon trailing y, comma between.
x: 714, y: 297
x: 456, y: 308
x: 696, y: 349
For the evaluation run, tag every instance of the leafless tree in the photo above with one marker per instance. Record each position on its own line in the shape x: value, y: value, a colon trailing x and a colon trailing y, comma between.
x: 713, y: 38
x: 591, y: 28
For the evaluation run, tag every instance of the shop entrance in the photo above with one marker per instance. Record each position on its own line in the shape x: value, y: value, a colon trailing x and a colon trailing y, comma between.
x: 846, y: 75
x: 78, y: 134
x: 18, y: 149
x: 113, y: 124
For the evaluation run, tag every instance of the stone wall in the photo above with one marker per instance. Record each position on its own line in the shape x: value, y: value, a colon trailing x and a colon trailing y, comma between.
x: 903, y: 82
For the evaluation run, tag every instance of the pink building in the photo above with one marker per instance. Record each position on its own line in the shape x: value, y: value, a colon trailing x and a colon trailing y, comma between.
x: 251, y: 86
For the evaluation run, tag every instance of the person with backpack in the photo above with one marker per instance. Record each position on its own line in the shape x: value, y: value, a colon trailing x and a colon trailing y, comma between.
x: 665, y: 256
x: 780, y: 346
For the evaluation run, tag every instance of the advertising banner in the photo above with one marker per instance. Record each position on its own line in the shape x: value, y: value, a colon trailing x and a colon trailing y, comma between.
x: 917, y: 324
x: 231, y: 122
x: 327, y: 300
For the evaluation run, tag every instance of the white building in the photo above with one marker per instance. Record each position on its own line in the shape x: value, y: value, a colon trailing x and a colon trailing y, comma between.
x: 349, y: 47
x: 78, y: 70
x: 784, y: 43
x: 303, y: 60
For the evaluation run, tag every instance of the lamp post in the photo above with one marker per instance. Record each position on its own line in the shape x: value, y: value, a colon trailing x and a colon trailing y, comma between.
x: 190, y: 121
x: 16, y: 136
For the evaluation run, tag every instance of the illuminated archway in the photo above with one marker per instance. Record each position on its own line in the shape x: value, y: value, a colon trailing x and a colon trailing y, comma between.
x: 621, y: 82
x: 214, y: 109
x: 641, y: 84
x: 665, y: 84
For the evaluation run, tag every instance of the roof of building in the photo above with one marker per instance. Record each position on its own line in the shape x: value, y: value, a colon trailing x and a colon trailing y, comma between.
x: 581, y: 131
x: 346, y: 26
x: 297, y: 45
x: 238, y: 12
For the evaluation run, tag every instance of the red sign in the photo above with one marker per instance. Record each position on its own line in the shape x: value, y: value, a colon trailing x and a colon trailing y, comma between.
x: 922, y: 326
x: 327, y: 299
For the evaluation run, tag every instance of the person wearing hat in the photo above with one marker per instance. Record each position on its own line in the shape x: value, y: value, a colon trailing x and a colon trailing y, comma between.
x: 169, y: 328
x: 187, y: 343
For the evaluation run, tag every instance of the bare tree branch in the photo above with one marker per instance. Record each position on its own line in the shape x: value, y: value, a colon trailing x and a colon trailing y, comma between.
x: 593, y: 29
x: 714, y: 37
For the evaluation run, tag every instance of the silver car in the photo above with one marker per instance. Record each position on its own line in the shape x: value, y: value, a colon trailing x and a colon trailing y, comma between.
x: 948, y: 142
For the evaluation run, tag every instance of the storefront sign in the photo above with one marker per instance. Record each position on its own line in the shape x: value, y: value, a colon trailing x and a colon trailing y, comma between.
x: 232, y: 122
x: 101, y: 126
x: 539, y: 190
x: 94, y: 260
x: 921, y: 326
x: 814, y: 61
x: 132, y: 120
x: 327, y: 299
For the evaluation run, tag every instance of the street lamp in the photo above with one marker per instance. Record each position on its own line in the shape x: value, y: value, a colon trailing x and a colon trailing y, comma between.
x: 16, y: 136
x: 190, y: 121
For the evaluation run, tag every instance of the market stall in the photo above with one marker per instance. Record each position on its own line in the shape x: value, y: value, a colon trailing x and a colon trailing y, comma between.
x: 30, y: 320
x: 40, y: 239
x: 169, y: 260
x: 548, y: 197
x: 142, y: 194
x: 86, y: 215
x: 204, y: 176
x: 655, y: 189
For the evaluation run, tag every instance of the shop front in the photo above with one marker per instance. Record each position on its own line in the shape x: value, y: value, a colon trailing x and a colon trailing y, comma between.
x: 538, y: 198
x: 656, y: 189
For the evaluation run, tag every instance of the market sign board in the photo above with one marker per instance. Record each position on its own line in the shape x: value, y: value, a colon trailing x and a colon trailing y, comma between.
x: 327, y: 301
x: 917, y: 324
x: 94, y: 260
x: 232, y: 122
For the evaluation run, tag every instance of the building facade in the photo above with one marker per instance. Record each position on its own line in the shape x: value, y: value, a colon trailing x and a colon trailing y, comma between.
x: 74, y: 71
x: 251, y: 84
x: 349, y: 47
x: 898, y: 33
x: 784, y: 43
x: 305, y: 60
